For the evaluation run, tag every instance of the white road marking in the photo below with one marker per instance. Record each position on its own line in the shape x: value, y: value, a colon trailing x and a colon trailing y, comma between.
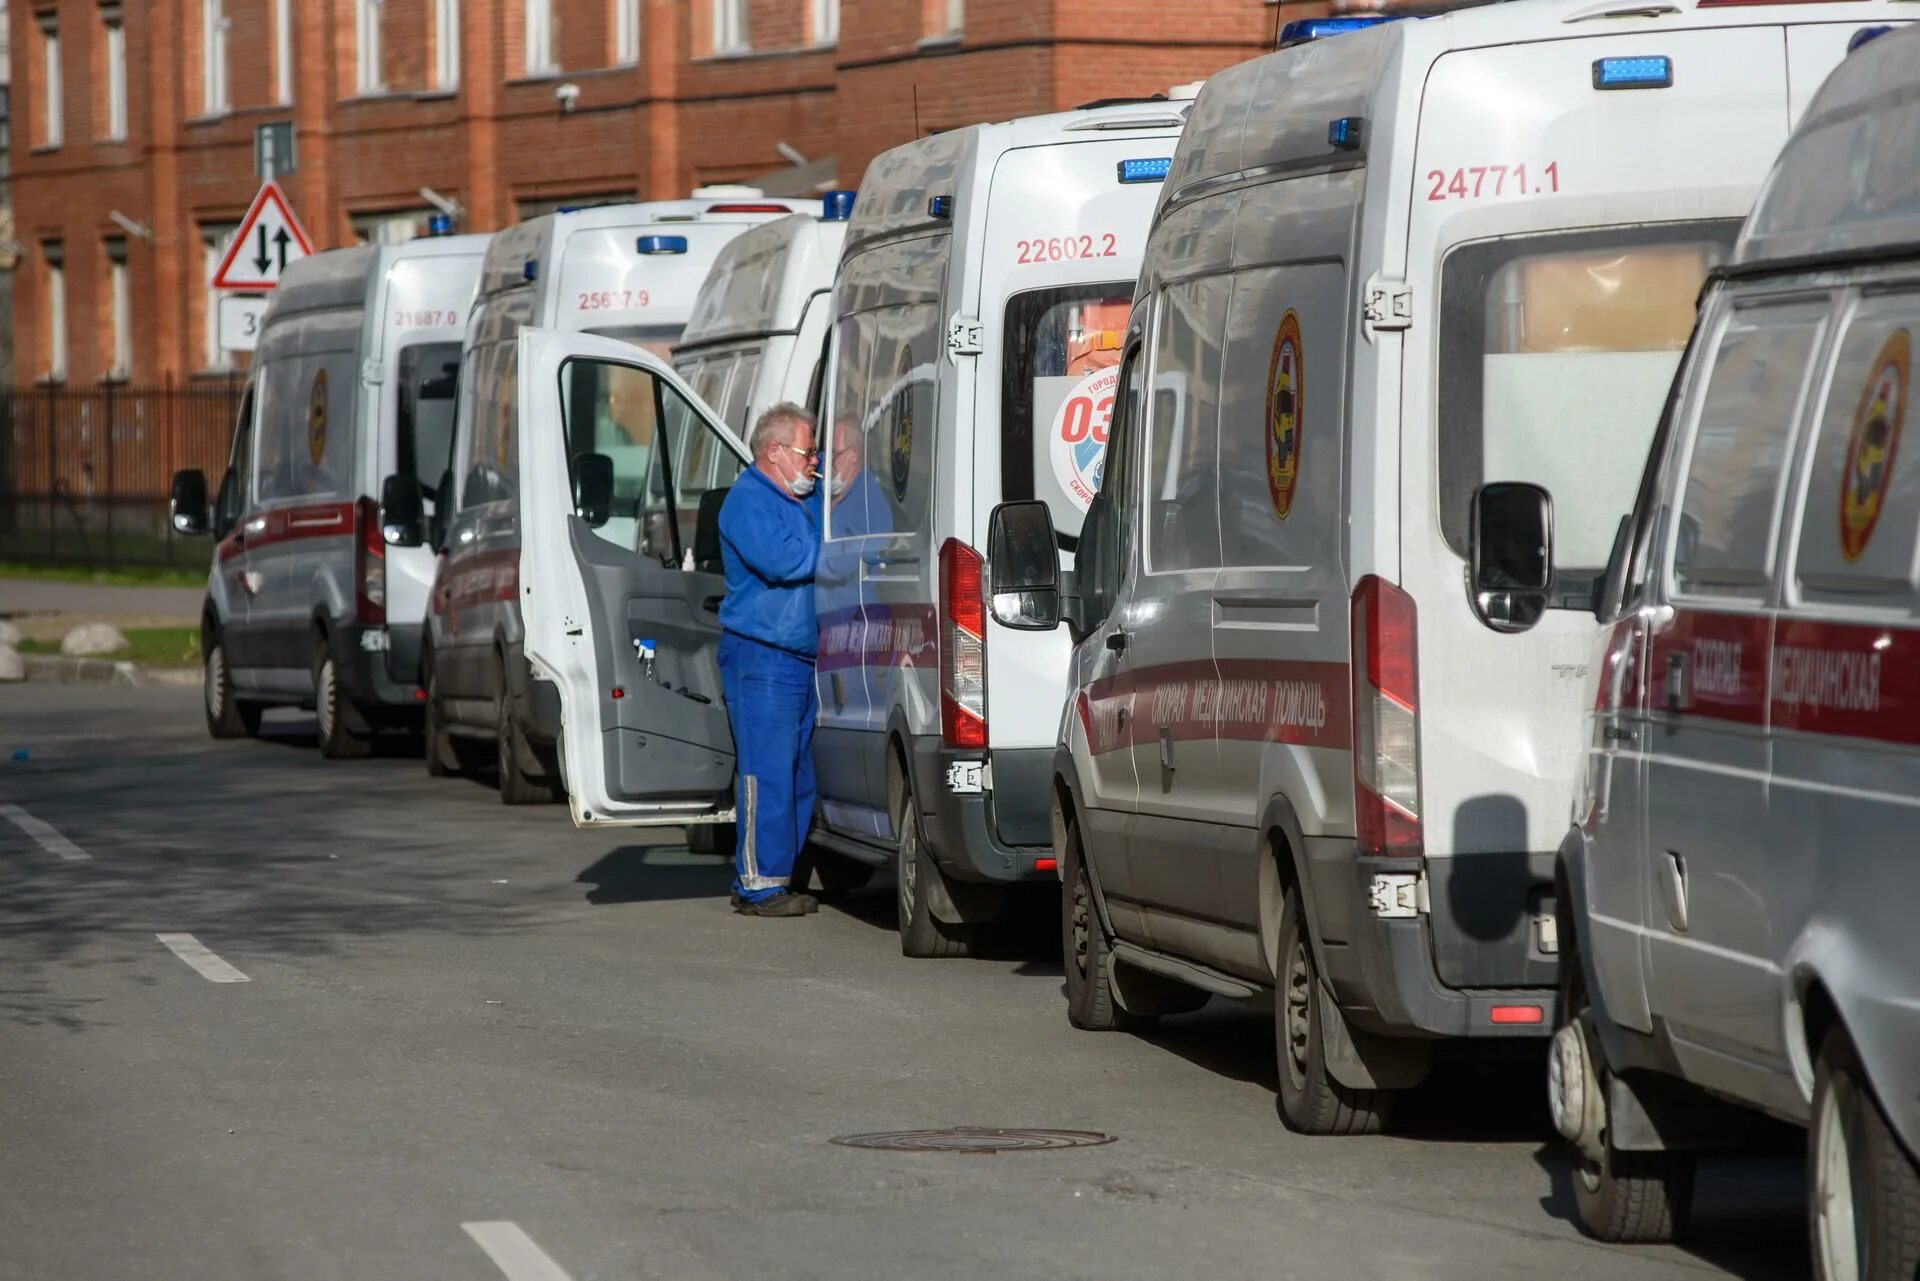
x: 514, y: 1252
x: 201, y: 958
x: 50, y: 840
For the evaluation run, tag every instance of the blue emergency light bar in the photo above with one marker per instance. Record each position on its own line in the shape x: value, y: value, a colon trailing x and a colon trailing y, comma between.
x: 661, y: 244
x: 1303, y: 30
x: 940, y: 207
x: 1346, y: 133
x: 439, y: 224
x: 1152, y: 169
x: 1633, y: 73
x: 837, y: 206
x: 530, y: 269
x: 1865, y: 34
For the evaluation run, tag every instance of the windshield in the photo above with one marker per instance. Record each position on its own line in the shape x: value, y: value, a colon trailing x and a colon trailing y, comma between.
x: 658, y: 339
x: 1060, y: 370
x: 429, y: 375
x: 1556, y: 353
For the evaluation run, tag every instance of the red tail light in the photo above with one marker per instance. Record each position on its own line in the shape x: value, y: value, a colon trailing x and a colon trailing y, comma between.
x: 369, y: 564
x: 1386, y: 720
x: 963, y: 648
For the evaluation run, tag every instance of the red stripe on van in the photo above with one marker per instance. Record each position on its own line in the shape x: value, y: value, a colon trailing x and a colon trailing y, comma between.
x: 1253, y: 700
x: 290, y: 524
x: 1846, y: 679
x: 882, y: 636
x: 1715, y: 664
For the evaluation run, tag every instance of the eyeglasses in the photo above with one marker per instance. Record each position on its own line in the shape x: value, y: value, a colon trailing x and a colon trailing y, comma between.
x: 795, y: 449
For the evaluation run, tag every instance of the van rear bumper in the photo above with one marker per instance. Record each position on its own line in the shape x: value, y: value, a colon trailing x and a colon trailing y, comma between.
x: 962, y: 828
x: 367, y: 654
x: 1382, y: 970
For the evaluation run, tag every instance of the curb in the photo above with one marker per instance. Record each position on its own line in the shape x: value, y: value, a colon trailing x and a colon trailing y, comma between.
x: 57, y: 670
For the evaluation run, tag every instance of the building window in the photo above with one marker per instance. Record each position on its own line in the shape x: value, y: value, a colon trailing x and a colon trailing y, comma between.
x: 119, y: 312
x: 213, y: 246
x: 53, y: 126
x: 626, y: 32
x: 283, y: 51
x: 53, y: 253
x: 366, y: 31
x: 729, y: 26
x: 213, y: 58
x: 392, y: 227
x: 826, y: 21
x: 540, y: 38
x: 446, y: 43
x: 116, y: 51
x: 956, y: 16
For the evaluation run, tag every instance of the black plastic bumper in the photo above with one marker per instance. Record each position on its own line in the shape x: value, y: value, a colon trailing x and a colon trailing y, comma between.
x: 1382, y: 970
x: 370, y: 657
x: 962, y: 829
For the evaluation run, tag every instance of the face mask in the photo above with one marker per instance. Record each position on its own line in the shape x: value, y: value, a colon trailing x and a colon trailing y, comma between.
x: 801, y: 485
x: 838, y: 485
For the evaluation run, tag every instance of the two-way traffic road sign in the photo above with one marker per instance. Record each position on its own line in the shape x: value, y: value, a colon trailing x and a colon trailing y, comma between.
x: 269, y: 238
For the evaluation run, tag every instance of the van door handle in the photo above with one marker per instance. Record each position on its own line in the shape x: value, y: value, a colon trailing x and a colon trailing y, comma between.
x: 1166, y: 749
x: 1117, y: 641
x: 1676, y: 682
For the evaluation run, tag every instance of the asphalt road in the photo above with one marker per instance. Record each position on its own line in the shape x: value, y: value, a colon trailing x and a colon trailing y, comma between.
x: 474, y: 1042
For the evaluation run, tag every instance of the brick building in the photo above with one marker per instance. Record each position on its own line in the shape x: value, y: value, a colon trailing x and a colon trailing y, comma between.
x: 133, y: 121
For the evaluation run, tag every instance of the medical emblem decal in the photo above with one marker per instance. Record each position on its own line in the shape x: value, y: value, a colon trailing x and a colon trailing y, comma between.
x: 317, y: 418
x: 900, y: 447
x: 1286, y: 409
x: 1870, y: 450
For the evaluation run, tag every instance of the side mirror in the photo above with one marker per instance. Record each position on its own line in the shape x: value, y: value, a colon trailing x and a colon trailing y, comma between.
x: 442, y: 518
x: 403, y: 515
x: 187, y: 502
x: 1512, y: 554
x: 593, y: 488
x: 1023, y: 567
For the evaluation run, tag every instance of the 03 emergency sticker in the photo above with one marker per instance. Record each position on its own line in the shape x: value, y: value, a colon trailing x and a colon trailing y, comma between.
x: 1286, y: 410
x: 317, y: 418
x: 1876, y: 438
x: 1077, y: 440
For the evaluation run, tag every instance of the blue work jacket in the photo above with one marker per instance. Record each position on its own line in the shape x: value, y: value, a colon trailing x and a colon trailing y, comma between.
x: 769, y: 545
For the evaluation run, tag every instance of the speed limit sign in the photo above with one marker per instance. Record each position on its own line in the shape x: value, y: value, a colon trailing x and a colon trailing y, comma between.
x: 240, y: 317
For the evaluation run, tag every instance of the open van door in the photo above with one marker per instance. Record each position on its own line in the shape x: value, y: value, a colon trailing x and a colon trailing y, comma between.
x: 620, y: 590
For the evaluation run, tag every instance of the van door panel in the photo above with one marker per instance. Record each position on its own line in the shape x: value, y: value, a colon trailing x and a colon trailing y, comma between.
x: 646, y: 739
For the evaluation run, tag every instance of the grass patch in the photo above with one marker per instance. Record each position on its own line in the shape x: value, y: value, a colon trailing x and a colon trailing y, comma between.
x: 127, y: 576
x: 147, y: 646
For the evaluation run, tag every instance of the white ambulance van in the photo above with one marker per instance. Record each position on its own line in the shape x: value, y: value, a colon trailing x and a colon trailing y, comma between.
x: 352, y: 382
x: 1319, y: 750
x: 1737, y: 891
x: 629, y: 272
x: 759, y: 329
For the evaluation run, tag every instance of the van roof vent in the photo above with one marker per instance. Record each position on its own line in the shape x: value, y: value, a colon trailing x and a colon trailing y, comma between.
x: 1623, y: 9
x: 1167, y: 120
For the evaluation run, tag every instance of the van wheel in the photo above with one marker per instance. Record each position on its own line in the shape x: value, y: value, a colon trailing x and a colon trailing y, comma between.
x: 1627, y: 1197
x: 921, y: 935
x: 1864, y: 1190
x: 1311, y: 1101
x: 227, y: 716
x: 443, y: 761
x: 1085, y: 948
x: 344, y: 732
x: 515, y: 787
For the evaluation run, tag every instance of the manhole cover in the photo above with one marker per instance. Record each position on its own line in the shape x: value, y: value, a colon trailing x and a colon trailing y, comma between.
x: 968, y: 1138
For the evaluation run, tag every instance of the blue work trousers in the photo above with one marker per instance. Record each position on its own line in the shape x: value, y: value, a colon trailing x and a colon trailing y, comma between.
x: 771, y: 705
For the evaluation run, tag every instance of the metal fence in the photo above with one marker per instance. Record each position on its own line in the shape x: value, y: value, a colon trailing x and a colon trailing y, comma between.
x: 84, y: 472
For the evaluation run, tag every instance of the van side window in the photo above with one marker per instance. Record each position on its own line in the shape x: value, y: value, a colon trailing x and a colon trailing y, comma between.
x: 740, y: 391
x: 900, y: 418
x: 1183, y: 428
x: 1108, y: 538
x: 861, y: 509
x: 305, y: 437
x: 1859, y: 532
x: 429, y: 376
x: 493, y: 464
x: 614, y: 410
x: 1735, y: 478
x: 235, y: 484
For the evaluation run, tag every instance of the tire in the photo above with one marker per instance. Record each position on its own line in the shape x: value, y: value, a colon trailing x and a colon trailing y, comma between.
x: 344, y: 732
x: 921, y: 935
x: 1310, y: 1100
x: 1864, y: 1192
x: 443, y: 761
x: 227, y: 716
x: 1085, y: 947
x: 1629, y: 1198
x: 515, y: 787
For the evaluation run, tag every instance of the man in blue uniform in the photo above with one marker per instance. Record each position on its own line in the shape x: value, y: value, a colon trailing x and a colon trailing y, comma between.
x: 770, y: 547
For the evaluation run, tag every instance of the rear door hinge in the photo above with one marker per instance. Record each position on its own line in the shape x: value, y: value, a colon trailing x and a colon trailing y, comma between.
x: 964, y: 336
x: 1387, y: 305
x: 370, y: 372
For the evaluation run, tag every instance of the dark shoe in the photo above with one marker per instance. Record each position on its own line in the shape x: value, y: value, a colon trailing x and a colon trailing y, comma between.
x: 781, y: 904
x: 808, y: 902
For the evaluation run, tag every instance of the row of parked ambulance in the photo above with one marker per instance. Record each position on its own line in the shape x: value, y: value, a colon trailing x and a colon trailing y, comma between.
x: 1377, y: 530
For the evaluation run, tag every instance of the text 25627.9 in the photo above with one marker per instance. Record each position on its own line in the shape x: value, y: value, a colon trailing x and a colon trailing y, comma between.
x: 1065, y: 248
x: 1479, y: 182
x: 611, y: 299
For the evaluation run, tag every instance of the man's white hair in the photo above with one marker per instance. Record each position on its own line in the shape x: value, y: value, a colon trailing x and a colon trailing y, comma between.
x: 777, y: 426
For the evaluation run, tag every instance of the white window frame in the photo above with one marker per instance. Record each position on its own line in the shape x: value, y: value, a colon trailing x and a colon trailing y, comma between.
x: 626, y: 32
x: 55, y: 254
x: 366, y: 48
x: 119, y: 311
x: 956, y: 16
x: 55, y: 126
x: 114, y: 30
x: 540, y: 60
x: 826, y: 22
x: 283, y: 52
x: 446, y: 44
x: 213, y: 246
x: 213, y: 58
x: 730, y: 33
